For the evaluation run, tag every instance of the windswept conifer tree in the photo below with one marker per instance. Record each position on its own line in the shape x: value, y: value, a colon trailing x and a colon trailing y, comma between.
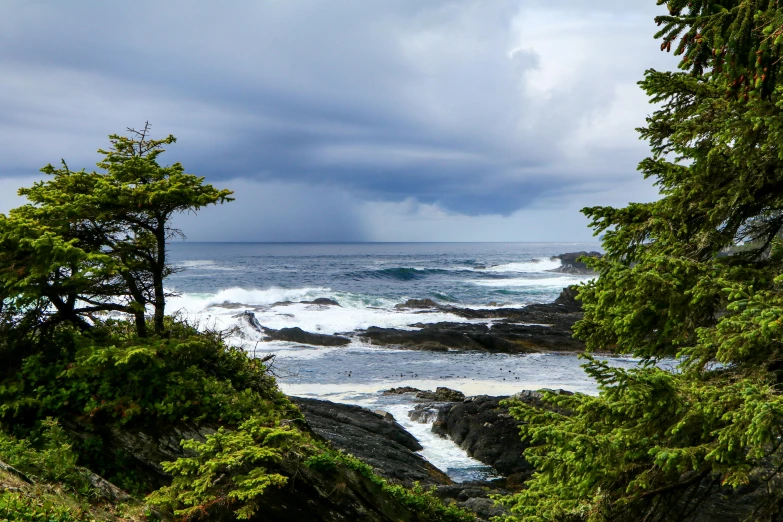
x: 695, y: 279
x: 96, y: 241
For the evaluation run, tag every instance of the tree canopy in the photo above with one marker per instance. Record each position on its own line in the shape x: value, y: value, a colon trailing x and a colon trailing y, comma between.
x: 695, y: 279
x: 91, y: 242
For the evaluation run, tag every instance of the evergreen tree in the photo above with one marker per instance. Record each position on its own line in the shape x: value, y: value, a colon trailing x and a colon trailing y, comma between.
x: 696, y: 279
x: 107, y: 234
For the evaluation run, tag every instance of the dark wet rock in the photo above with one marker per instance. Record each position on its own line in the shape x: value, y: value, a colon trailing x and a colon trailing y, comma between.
x: 479, y: 267
x: 441, y: 394
x: 475, y: 496
x: 322, y: 301
x: 535, y: 397
x: 376, y: 439
x: 429, y: 346
x: 297, y: 335
x: 569, y: 263
x: 442, y: 398
x: 400, y: 390
x: 534, y: 328
x: 488, y: 433
x: 484, y: 507
x: 229, y: 305
x: 417, y: 304
x: 249, y: 319
x: 423, y: 413
x: 567, y: 298
x: 428, y: 413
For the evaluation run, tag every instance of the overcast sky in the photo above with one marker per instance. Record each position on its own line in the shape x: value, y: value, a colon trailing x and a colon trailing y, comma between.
x: 409, y: 120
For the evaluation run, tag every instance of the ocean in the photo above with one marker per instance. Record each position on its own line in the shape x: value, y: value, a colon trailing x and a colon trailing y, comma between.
x: 217, y: 281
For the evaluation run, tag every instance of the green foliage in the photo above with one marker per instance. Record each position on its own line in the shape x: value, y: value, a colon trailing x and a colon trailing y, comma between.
x: 693, y: 278
x: 53, y: 461
x: 735, y: 43
x: 109, y: 378
x: 42, y: 271
x: 423, y: 503
x: 110, y: 375
x: 650, y: 432
x: 94, y: 242
x: 230, y: 467
x: 15, y: 507
x: 234, y: 468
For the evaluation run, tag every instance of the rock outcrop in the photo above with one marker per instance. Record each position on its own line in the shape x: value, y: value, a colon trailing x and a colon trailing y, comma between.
x: 567, y: 298
x: 297, y: 335
x: 484, y: 429
x: 441, y: 394
x: 309, y: 495
x: 322, y: 301
x: 475, y: 497
x: 375, y: 438
x: 417, y: 304
x: 487, y: 432
x: 534, y: 328
x: 569, y: 263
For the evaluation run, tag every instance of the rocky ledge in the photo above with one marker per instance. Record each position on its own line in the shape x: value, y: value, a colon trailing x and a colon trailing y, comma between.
x: 294, y: 335
x: 374, y: 437
x: 483, y: 427
x: 569, y: 263
x: 534, y: 328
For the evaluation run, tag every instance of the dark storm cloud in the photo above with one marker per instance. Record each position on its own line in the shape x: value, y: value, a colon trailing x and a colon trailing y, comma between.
x: 473, y: 106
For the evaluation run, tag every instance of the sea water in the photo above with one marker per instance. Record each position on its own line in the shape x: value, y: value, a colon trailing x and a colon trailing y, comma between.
x: 217, y: 281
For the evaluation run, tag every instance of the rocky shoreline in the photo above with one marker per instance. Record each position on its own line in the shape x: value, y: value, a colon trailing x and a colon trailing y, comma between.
x: 374, y: 437
x: 534, y: 328
x: 481, y: 425
x: 529, y: 329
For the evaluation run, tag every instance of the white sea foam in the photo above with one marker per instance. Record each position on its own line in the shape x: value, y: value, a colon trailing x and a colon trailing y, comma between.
x: 193, y: 303
x: 356, y: 312
x: 547, y: 282
x: 541, y: 265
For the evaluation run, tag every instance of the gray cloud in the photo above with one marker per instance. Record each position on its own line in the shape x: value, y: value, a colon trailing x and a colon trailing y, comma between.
x: 473, y: 108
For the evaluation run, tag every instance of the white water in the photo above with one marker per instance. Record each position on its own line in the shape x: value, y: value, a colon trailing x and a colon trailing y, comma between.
x: 549, y: 282
x: 541, y: 265
x: 277, y: 308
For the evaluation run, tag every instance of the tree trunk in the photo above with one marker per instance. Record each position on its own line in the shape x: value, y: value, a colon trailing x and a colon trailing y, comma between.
x: 157, y: 275
x: 138, y: 306
x: 141, y: 323
x: 160, y: 307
